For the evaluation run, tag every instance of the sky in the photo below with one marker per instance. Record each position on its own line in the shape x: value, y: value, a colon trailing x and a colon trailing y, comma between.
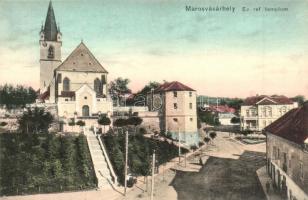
x: 226, y: 54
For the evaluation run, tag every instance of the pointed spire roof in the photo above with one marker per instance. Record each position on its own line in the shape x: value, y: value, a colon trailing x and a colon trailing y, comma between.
x: 50, y: 28
x: 81, y: 60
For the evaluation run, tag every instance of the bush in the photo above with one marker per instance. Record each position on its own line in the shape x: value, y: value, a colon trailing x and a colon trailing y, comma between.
x: 3, y: 123
x: 43, y: 163
x: 142, y: 131
x: 193, y: 147
x: 80, y: 123
x: 201, y: 144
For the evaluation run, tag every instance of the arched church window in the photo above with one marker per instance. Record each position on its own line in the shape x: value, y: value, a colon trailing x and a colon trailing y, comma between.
x: 51, y: 52
x: 97, y: 86
x: 66, y: 84
x: 85, y: 111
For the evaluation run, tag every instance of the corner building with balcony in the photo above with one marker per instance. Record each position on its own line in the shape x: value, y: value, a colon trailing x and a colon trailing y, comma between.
x: 257, y: 112
x: 287, y: 153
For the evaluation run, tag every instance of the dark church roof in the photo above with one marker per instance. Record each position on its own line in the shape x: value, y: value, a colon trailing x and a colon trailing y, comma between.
x: 292, y: 126
x: 81, y: 60
x: 173, y: 86
x: 50, y: 28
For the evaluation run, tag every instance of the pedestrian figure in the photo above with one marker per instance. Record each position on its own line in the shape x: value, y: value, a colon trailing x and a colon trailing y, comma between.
x: 268, y: 186
x: 200, y: 161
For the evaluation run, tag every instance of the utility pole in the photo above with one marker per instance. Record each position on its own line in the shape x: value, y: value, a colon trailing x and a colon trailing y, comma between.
x: 179, y: 146
x: 153, y: 170
x: 126, y: 159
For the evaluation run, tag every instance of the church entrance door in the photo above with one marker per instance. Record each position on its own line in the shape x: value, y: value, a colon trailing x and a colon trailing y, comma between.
x: 85, y: 111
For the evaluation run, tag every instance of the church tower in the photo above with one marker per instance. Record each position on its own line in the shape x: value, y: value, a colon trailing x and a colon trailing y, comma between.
x: 50, y: 49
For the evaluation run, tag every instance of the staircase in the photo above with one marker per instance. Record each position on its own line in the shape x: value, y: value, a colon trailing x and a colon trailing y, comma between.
x: 102, y: 166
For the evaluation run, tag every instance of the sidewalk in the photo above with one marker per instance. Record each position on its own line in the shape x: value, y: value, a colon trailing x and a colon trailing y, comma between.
x: 263, y: 178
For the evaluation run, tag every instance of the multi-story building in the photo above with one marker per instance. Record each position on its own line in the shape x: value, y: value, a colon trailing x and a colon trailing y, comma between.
x: 78, y: 85
x: 176, y: 104
x: 259, y: 111
x: 287, y: 153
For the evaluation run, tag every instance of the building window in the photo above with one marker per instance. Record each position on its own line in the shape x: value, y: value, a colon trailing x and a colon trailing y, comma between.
x: 66, y: 84
x: 190, y: 94
x: 264, y: 112
x: 175, y: 106
x: 97, y: 86
x: 191, y: 119
x: 274, y: 152
x: 264, y: 123
x: 270, y: 111
x: 59, y: 78
x: 301, y: 168
x: 247, y: 113
x: 190, y: 105
x: 66, y: 99
x: 175, y: 119
x: 175, y: 94
x: 51, y: 52
x: 85, y: 97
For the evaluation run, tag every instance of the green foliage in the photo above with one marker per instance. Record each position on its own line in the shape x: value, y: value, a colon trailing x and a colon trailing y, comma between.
x: 16, y: 96
x: 3, y: 123
x: 140, y: 150
x: 208, y: 117
x: 213, y: 135
x: 235, y: 120
x: 72, y: 122
x: 80, y: 123
x: 206, y: 140
x: 147, y: 88
x: 300, y: 99
x: 120, y: 122
x: 35, y: 120
x: 104, y: 120
x: 42, y: 163
x: 134, y: 121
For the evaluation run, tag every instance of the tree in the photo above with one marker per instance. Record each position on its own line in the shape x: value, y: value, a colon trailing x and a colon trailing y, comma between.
x: 104, y: 121
x: 300, y: 99
x: 235, y: 120
x: 213, y: 135
x: 80, y: 123
x: 35, y: 120
x: 135, y: 121
x: 206, y: 140
x: 147, y: 88
x: 72, y: 122
x: 3, y: 123
x: 118, y: 88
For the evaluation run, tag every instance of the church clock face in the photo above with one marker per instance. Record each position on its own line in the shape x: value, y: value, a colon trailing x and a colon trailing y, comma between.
x: 44, y: 44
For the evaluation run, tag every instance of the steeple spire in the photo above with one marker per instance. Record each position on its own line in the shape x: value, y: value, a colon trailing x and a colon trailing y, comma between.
x: 50, y: 28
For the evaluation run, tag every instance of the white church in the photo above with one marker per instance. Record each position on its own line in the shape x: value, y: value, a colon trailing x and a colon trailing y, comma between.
x: 77, y: 85
x: 77, y: 88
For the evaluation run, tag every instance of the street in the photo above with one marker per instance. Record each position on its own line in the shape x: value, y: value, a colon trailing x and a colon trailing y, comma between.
x: 228, y: 173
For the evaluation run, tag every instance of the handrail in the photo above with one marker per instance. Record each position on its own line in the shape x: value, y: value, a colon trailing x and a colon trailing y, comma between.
x: 108, y: 161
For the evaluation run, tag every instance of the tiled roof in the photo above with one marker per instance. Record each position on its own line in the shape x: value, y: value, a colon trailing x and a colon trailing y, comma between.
x: 267, y: 100
x: 67, y: 94
x: 222, y: 109
x: 292, y: 126
x: 173, y: 86
x: 81, y: 60
x: 50, y: 28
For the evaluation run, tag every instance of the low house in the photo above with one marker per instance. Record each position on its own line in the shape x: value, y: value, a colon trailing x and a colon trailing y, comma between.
x: 257, y: 112
x: 225, y: 119
x: 287, y: 153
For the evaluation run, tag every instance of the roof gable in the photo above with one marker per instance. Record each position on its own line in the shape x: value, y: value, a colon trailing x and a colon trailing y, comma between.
x: 267, y: 100
x: 81, y: 60
x: 292, y: 126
